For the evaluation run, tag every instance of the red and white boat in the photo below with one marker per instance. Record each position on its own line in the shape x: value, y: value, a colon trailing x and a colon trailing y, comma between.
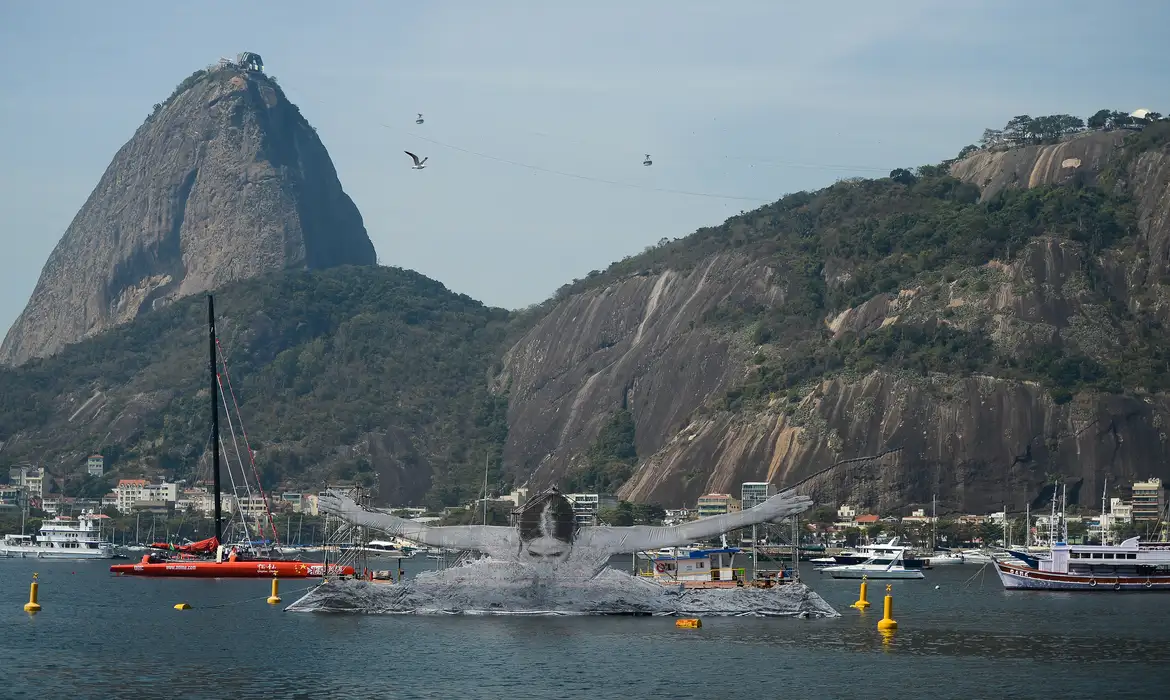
x: 205, y: 559
x: 1129, y: 566
x: 191, y: 561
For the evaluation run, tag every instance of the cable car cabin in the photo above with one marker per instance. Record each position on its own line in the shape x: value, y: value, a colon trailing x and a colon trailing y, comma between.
x: 647, y: 161
x: 419, y: 120
x: 250, y: 61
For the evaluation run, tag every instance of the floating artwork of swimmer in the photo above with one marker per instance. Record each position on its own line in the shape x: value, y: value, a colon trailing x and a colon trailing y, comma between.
x: 546, y: 536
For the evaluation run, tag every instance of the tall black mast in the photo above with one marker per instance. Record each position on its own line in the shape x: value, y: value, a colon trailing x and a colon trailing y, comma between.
x: 214, y: 417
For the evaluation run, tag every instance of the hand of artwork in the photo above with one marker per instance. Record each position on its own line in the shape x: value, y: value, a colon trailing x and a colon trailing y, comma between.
x: 338, y: 504
x: 783, y: 505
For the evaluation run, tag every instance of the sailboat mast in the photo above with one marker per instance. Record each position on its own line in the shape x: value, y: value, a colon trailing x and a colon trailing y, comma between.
x: 485, y: 479
x: 214, y: 419
x: 1104, y: 528
x: 933, y: 522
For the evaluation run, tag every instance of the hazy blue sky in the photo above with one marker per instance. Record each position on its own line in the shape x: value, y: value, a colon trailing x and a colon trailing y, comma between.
x: 747, y: 99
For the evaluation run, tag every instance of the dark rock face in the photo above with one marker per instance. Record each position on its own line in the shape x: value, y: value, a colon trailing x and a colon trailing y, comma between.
x: 638, y: 343
x: 227, y: 181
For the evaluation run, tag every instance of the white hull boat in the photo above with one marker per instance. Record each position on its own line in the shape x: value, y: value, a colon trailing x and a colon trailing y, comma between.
x: 877, y: 567
x: 62, y: 537
x: 874, y: 572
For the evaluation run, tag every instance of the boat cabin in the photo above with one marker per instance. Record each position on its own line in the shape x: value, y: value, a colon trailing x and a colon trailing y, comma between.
x: 700, y: 568
x: 1129, y: 557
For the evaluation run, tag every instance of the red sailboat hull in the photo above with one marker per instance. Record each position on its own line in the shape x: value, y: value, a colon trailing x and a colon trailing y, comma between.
x: 232, y: 569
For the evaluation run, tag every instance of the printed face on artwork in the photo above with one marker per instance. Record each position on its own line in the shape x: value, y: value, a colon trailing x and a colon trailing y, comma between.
x: 547, y: 531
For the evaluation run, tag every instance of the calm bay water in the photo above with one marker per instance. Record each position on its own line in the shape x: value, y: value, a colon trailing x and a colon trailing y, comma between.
x: 101, y: 636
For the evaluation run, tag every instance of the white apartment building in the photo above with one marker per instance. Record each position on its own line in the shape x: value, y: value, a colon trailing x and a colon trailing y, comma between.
x: 30, y: 479
x: 131, y: 491
x: 587, y: 505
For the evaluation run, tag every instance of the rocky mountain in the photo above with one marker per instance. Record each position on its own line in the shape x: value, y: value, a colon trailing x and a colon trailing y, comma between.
x: 366, y: 374
x: 976, y: 330
x: 225, y: 181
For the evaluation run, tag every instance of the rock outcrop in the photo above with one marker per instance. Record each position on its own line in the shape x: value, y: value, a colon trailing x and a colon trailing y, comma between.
x: 225, y: 181
x: 1082, y: 156
x: 897, y: 438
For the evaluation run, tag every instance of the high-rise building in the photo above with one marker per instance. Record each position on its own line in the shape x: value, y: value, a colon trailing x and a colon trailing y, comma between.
x: 1148, y: 500
x: 586, y: 506
x: 753, y: 493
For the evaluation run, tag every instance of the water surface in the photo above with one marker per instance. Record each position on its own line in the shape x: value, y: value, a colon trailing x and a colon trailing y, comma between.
x: 101, y: 636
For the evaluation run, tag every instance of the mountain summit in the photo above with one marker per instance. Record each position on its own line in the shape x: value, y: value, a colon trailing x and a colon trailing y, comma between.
x: 224, y: 181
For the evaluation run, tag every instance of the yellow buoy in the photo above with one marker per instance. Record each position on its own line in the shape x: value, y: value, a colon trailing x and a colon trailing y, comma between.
x: 275, y: 597
x: 862, y: 603
x: 32, y: 605
x: 689, y: 623
x: 182, y: 606
x: 887, y: 622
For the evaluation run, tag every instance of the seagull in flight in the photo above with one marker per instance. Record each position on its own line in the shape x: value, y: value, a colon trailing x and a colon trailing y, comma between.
x: 418, y: 164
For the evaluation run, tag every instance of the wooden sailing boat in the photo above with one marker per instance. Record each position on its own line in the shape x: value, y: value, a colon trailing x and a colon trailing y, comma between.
x: 190, y: 561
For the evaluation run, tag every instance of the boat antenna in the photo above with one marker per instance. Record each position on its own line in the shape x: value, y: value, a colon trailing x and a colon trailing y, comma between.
x: 214, y: 420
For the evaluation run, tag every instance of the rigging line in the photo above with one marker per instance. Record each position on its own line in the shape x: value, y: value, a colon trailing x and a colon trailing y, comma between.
x: 247, y: 445
x: 232, y: 479
x: 240, y: 459
x: 576, y: 176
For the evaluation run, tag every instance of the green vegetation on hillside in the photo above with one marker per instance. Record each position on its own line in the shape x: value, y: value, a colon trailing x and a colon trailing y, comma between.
x: 839, y: 247
x: 610, y: 459
x: 318, y: 360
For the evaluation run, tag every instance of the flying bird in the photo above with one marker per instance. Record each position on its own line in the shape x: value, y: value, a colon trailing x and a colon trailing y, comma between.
x: 418, y: 164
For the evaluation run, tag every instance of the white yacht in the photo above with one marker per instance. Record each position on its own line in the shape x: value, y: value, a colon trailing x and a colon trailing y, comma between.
x: 63, y: 537
x: 882, y: 553
x: 878, y: 566
x: 393, y: 549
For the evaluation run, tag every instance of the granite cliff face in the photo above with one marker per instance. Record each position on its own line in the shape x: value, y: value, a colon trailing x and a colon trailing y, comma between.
x: 225, y: 181
x: 874, y: 434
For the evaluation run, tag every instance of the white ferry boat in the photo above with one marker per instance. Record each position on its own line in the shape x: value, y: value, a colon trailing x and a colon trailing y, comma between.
x: 1129, y: 566
x: 63, y: 537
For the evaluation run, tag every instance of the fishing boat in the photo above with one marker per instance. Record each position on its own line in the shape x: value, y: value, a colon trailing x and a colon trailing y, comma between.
x: 195, y: 560
x: 1129, y: 566
x: 876, y: 567
x: 63, y: 537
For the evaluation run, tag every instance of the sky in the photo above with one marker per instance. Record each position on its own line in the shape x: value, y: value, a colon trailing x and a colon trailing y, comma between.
x: 538, y: 114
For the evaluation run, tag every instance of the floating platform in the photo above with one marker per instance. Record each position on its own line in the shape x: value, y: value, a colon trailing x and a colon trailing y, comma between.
x: 504, y: 588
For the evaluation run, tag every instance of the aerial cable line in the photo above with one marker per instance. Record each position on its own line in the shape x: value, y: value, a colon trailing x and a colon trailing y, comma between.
x: 576, y: 176
x: 747, y: 159
x: 618, y: 183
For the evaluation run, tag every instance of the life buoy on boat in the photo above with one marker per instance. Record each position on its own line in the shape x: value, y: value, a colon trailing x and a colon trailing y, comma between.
x: 1117, y: 585
x: 1147, y: 584
x: 1092, y: 583
x: 660, y: 567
